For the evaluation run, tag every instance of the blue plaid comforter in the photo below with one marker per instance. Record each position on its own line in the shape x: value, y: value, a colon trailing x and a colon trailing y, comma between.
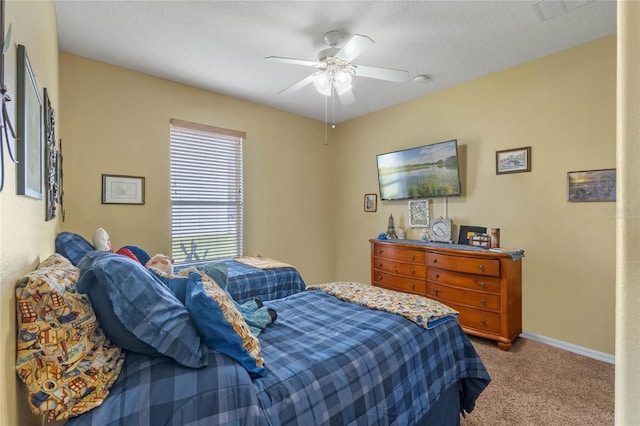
x: 245, y: 283
x: 328, y: 362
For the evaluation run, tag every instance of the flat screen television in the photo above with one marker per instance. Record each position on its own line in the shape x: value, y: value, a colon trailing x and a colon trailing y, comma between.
x: 422, y: 172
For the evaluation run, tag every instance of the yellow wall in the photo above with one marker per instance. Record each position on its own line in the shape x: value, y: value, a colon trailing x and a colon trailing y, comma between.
x: 304, y: 201
x: 118, y: 123
x: 563, y: 106
x: 25, y: 238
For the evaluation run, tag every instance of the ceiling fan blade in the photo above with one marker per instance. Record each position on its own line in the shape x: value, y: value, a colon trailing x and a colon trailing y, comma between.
x: 292, y: 61
x: 399, y: 76
x: 347, y: 98
x: 354, y: 47
x: 298, y: 85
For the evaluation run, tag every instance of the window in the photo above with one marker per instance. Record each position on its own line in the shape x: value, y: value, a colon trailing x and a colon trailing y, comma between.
x: 206, y: 192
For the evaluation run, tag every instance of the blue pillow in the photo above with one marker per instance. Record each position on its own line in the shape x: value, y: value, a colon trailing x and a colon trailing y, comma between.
x: 137, y: 311
x: 142, y: 255
x: 177, y: 284
x: 217, y: 271
x: 217, y: 332
x: 72, y: 246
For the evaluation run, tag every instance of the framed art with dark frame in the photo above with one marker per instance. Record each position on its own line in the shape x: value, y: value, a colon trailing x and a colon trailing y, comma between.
x: 50, y: 159
x: 29, y: 125
x: 516, y: 160
x: 467, y: 232
x: 370, y: 202
x: 591, y: 185
x: 118, y: 189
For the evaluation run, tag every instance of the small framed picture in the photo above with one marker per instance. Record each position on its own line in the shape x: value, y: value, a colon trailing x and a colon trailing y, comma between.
x: 513, y: 160
x: 419, y: 213
x: 118, y: 189
x: 370, y: 202
x: 592, y: 185
x: 467, y: 232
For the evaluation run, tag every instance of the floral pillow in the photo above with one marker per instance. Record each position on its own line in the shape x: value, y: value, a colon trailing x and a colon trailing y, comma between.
x: 63, y: 357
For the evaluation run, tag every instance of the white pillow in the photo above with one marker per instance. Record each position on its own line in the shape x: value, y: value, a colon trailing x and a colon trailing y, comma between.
x: 101, y: 240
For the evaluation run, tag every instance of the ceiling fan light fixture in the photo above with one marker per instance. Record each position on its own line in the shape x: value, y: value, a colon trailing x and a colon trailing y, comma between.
x: 322, y: 82
x: 327, y: 80
x: 342, y: 81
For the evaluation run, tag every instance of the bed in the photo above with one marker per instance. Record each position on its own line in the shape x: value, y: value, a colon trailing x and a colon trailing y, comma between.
x: 326, y: 361
x: 262, y: 281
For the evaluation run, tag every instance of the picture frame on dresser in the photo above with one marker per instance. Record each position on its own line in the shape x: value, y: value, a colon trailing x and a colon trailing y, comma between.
x: 466, y: 232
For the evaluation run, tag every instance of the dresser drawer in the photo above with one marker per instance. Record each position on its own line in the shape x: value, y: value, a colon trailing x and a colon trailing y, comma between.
x: 398, y: 283
x: 400, y: 254
x: 394, y: 267
x: 471, y: 282
x: 478, y: 320
x: 464, y: 297
x: 471, y: 265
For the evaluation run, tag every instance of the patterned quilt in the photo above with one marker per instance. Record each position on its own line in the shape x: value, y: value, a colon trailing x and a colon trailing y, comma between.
x: 328, y: 362
x: 261, y: 262
x: 419, y: 309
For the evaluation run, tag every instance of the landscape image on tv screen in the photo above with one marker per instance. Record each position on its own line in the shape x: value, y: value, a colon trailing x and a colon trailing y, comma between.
x: 422, y: 172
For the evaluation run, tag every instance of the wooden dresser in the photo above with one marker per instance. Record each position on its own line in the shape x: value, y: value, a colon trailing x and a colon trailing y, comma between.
x: 484, y: 286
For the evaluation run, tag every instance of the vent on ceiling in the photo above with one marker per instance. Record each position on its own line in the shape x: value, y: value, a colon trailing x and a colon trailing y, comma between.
x: 549, y: 9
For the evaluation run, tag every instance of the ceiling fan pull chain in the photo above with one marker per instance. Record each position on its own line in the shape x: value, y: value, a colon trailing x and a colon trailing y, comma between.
x: 326, y: 124
x: 333, y: 107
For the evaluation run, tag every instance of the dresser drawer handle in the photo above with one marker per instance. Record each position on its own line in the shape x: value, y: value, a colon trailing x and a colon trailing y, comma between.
x: 483, y: 284
x: 481, y: 267
x: 413, y: 286
x: 380, y: 251
x: 379, y: 277
x: 482, y: 322
x: 434, y: 260
x: 380, y: 265
x: 413, y: 271
x: 483, y: 301
x: 435, y: 291
x: 437, y: 275
x: 412, y: 257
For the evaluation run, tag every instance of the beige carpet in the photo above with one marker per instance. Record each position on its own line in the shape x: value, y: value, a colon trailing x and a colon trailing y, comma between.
x: 537, y: 384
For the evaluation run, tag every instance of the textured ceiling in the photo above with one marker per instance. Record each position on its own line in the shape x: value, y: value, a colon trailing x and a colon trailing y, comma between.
x: 221, y: 45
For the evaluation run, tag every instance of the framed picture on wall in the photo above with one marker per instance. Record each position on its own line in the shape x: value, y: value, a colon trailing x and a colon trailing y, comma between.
x: 419, y: 213
x: 370, y: 202
x: 516, y: 160
x: 29, y: 124
x: 118, y: 189
x: 592, y: 185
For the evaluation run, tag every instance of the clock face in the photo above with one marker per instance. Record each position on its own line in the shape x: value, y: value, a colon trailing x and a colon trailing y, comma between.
x: 441, y: 230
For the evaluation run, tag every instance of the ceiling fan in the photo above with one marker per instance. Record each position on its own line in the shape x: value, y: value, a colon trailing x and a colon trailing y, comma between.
x: 335, y: 70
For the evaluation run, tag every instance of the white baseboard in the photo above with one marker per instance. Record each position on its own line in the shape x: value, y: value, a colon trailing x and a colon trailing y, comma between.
x: 600, y: 356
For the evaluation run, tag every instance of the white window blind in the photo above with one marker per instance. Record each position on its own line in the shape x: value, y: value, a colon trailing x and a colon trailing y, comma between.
x: 206, y: 192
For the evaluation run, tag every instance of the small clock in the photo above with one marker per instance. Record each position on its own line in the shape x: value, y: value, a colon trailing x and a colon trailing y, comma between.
x: 441, y: 230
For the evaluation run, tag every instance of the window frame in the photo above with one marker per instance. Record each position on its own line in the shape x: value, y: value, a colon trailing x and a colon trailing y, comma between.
x: 217, y: 208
